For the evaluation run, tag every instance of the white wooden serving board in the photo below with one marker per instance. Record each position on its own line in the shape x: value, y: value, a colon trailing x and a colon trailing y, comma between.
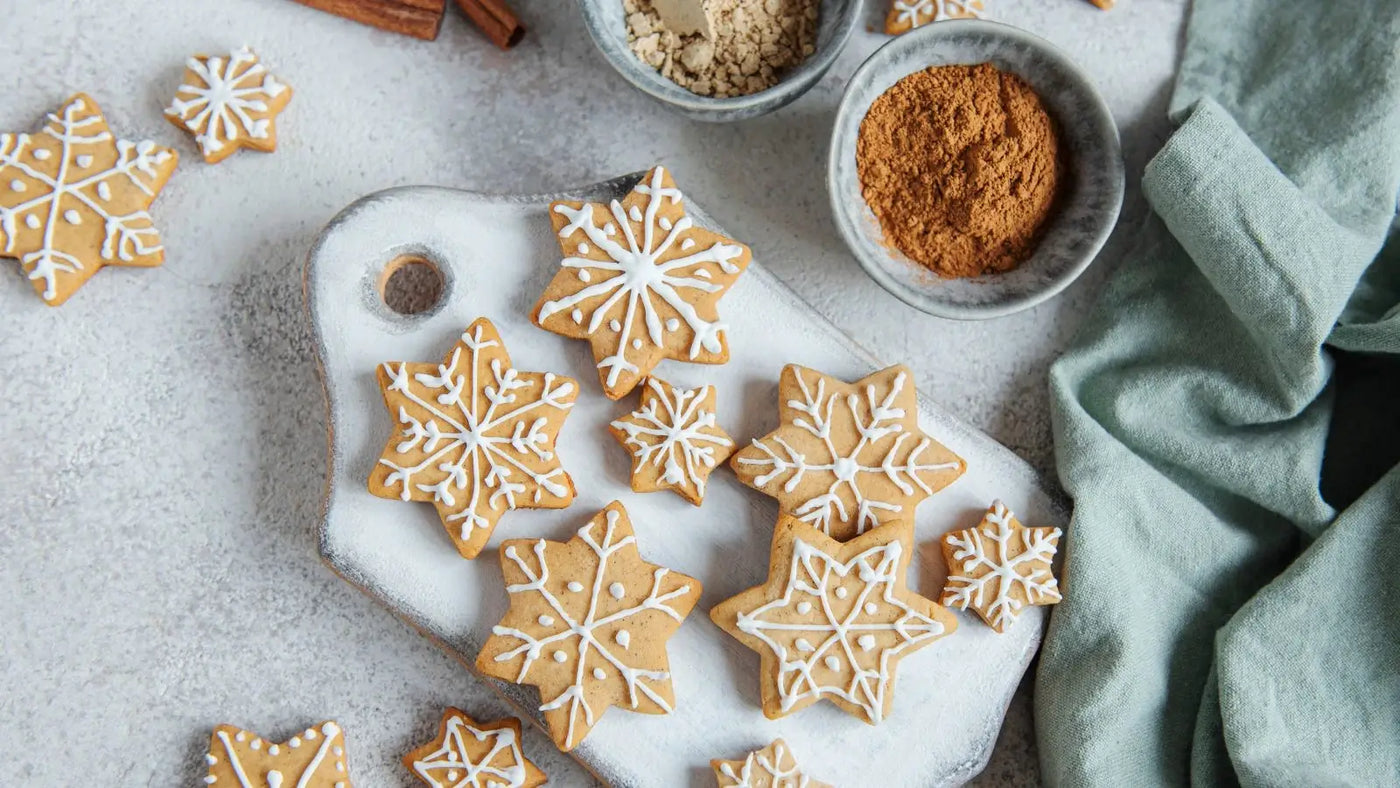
x: 496, y: 254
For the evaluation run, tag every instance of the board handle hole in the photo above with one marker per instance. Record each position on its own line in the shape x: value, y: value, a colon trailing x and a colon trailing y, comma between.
x: 411, y: 284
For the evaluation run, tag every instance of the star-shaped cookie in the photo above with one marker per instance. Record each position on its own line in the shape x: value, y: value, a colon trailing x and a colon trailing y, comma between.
x: 588, y: 624
x: 674, y: 439
x: 315, y: 758
x: 475, y: 436
x: 905, y: 15
x: 467, y: 754
x: 73, y: 198
x: 771, y: 767
x: 999, y: 566
x: 229, y: 103
x: 834, y: 620
x: 847, y: 457
x: 640, y: 282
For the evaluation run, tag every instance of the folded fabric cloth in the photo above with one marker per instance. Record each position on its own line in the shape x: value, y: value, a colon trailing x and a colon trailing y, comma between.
x: 1222, y: 623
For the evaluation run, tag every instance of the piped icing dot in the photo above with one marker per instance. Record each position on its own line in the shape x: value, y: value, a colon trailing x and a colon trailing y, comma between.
x: 575, y: 586
x: 616, y: 590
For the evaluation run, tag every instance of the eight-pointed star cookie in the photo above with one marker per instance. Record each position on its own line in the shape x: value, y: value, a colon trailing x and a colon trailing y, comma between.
x: 640, y: 282
x: 229, y: 103
x: 847, y: 457
x: 674, y: 439
x: 905, y: 15
x: 833, y: 620
x: 476, y: 436
x: 771, y: 767
x: 467, y: 754
x: 314, y: 758
x: 73, y: 198
x: 588, y: 624
x: 999, y: 566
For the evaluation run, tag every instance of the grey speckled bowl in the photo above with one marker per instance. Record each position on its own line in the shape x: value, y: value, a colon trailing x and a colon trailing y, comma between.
x: 1088, y: 208
x: 608, y: 27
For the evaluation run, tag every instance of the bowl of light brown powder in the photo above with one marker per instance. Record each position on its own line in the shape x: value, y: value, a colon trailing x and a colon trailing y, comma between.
x: 974, y: 170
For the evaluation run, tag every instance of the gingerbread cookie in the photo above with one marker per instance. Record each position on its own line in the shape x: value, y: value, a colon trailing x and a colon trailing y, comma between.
x: 905, y: 15
x: 588, y: 624
x: 640, y: 282
x: 476, y: 437
x: 467, y: 754
x: 833, y: 620
x: 73, y: 198
x: 229, y: 103
x: 313, y: 759
x: 847, y: 457
x: 771, y: 767
x: 999, y: 566
x: 674, y: 440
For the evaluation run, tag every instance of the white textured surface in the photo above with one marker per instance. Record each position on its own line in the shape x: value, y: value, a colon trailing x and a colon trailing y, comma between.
x: 163, y: 433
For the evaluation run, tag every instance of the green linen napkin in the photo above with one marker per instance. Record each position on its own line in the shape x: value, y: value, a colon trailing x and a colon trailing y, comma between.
x: 1222, y: 622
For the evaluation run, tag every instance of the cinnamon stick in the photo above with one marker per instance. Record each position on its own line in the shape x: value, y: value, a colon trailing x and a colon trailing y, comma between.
x: 417, y: 18
x: 496, y: 20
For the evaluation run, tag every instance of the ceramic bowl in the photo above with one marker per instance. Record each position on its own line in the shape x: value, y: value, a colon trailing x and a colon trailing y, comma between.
x: 1088, y: 207
x: 607, y: 25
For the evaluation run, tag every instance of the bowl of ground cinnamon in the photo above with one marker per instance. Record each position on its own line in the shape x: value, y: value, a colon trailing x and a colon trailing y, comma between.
x: 974, y: 170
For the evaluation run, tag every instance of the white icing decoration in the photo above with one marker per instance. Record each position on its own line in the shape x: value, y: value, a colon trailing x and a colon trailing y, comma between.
x: 71, y: 216
x: 32, y: 222
x: 675, y: 433
x: 804, y: 607
x: 760, y: 771
x: 104, y: 191
x: 672, y: 324
x: 623, y: 638
x: 584, y: 275
x: 560, y: 656
x: 577, y: 315
x: 917, y: 13
x: 616, y: 590
x: 636, y: 344
x: 575, y: 586
x: 273, y: 750
x: 599, y: 674
x: 687, y: 244
x: 42, y: 155
x: 273, y: 778
x: 546, y: 621
x: 615, y: 325
x: 971, y: 553
x: 17, y: 185
x: 832, y: 663
x: 83, y: 160
x: 582, y: 248
x: 220, y: 107
x: 256, y: 744
x: 502, y: 766
x: 866, y: 642
x: 210, y: 759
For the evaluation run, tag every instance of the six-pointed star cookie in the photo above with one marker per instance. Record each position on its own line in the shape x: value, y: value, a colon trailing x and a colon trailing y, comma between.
x: 640, y: 282
x: 467, y: 754
x: 674, y: 440
x: 999, y: 566
x: 476, y: 436
x: 315, y: 758
x: 229, y: 103
x: 847, y: 457
x: 833, y: 620
x: 73, y: 198
x: 771, y: 767
x: 588, y: 624
x: 905, y: 15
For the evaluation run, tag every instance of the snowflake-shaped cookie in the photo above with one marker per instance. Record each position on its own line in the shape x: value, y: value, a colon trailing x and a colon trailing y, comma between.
x: 847, y: 457
x: 315, y: 758
x: 905, y: 15
x: 1000, y: 566
x: 640, y: 282
x: 73, y: 198
x: 771, y: 767
x: 588, y: 624
x: 467, y: 754
x: 674, y: 440
x: 833, y: 620
x: 229, y: 103
x: 477, y: 437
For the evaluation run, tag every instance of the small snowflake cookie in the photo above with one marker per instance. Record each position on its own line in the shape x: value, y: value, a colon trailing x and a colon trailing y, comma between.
x: 467, y: 754
x: 905, y: 15
x: 1000, y: 566
x: 674, y: 440
x: 640, y: 282
x: 847, y: 456
x: 73, y: 198
x: 314, y: 758
x: 771, y: 767
x: 229, y: 103
x: 834, y: 619
x: 588, y: 624
x: 475, y: 436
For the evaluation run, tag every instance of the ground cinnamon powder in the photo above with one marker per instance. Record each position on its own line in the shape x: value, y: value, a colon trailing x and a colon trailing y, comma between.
x: 961, y: 165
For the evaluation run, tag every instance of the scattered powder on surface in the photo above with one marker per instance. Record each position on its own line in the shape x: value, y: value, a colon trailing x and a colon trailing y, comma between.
x: 961, y: 165
x: 755, y: 43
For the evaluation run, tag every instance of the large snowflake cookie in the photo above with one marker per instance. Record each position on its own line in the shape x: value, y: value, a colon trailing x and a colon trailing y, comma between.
x: 834, y: 619
x: 475, y: 436
x: 229, y: 103
x: 1000, y: 566
x: 468, y: 754
x: 771, y: 767
x: 640, y: 282
x: 73, y: 198
x: 847, y: 457
x: 674, y: 439
x: 905, y: 15
x: 314, y: 758
x: 588, y: 624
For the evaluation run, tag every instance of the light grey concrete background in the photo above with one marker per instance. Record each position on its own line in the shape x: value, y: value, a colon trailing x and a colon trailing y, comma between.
x: 162, y: 435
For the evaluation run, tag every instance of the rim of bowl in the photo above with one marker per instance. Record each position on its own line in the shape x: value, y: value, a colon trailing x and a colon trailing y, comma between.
x: 846, y: 222
x: 795, y: 83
